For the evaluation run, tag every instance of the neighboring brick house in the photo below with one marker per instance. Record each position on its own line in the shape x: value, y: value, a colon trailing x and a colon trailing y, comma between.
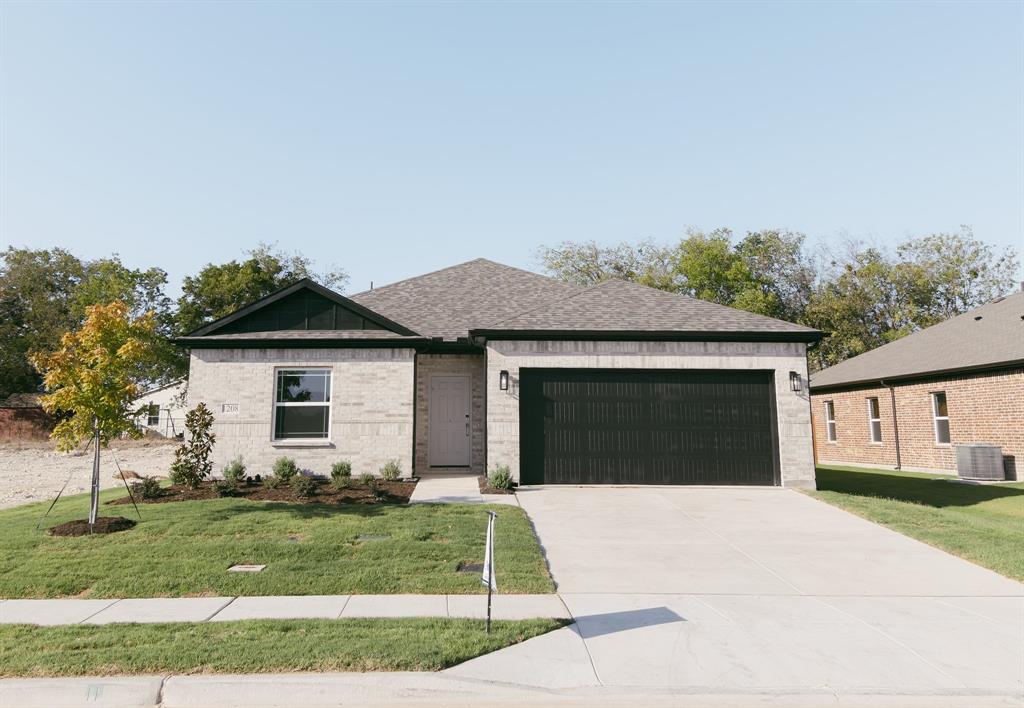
x: 958, y: 382
x: 481, y: 364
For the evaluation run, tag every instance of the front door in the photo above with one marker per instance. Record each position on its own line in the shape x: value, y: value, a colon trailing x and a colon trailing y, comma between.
x: 449, y: 421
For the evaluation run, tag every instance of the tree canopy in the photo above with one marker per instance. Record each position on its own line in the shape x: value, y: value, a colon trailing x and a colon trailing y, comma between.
x: 861, y: 299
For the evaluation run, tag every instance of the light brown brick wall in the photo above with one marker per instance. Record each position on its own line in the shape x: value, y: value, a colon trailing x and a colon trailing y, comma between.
x: 983, y: 408
x: 471, y: 365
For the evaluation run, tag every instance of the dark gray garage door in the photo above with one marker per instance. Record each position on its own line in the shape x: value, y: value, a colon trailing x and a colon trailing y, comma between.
x: 615, y: 426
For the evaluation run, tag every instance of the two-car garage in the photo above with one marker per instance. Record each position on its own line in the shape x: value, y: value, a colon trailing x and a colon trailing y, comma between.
x: 648, y: 426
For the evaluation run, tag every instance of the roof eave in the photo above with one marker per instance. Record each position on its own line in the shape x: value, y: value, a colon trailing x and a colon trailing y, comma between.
x: 805, y: 336
x: 301, y: 343
x: 915, y: 376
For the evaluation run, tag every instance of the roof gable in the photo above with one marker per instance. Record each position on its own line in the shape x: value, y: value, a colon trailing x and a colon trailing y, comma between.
x: 302, y: 306
x: 622, y: 307
x: 987, y: 337
x: 448, y: 303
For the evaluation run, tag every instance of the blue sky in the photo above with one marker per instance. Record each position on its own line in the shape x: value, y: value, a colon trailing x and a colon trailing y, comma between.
x: 393, y: 139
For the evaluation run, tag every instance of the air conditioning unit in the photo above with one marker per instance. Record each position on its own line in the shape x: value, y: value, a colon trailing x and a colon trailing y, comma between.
x: 979, y: 461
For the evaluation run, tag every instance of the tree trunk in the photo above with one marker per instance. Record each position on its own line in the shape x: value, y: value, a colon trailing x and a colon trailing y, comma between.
x: 94, y: 499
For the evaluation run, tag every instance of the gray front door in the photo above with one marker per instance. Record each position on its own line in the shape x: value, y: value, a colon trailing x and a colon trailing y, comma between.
x: 449, y: 421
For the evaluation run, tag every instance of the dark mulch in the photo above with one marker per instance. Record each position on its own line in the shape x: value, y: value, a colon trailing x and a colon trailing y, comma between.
x: 104, y: 524
x: 486, y: 488
x: 324, y: 493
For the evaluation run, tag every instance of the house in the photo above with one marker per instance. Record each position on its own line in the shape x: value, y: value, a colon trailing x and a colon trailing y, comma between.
x: 163, y: 409
x: 482, y: 364
x: 22, y: 417
x: 907, y: 404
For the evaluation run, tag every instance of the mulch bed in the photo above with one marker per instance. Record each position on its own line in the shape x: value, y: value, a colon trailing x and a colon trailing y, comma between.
x: 486, y: 488
x: 324, y: 493
x: 104, y: 524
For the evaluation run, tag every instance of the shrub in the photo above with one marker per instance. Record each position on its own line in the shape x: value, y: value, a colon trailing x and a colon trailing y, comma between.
x: 272, y: 482
x: 303, y: 486
x: 192, y: 458
x: 234, y: 471
x: 340, y: 483
x: 374, y: 486
x: 284, y: 469
x: 500, y: 478
x: 147, y: 488
x: 391, y: 471
x: 366, y: 479
x: 341, y: 470
x: 225, y: 489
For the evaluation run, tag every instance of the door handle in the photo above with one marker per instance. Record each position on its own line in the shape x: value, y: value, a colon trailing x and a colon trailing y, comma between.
x: 467, y: 429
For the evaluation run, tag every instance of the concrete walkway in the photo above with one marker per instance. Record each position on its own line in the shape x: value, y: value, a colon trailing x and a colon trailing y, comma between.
x: 455, y: 488
x: 224, y: 609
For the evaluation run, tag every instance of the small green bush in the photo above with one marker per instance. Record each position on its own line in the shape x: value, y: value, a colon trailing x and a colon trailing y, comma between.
x: 192, y: 458
x: 303, y: 486
x: 341, y: 470
x: 374, y: 486
x: 391, y: 471
x: 340, y: 483
x: 146, y: 488
x: 234, y: 471
x: 500, y: 478
x: 225, y: 488
x: 366, y: 479
x: 272, y: 482
x: 284, y: 469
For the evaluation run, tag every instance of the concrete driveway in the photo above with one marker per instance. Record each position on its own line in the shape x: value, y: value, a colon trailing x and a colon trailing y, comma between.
x: 759, y: 591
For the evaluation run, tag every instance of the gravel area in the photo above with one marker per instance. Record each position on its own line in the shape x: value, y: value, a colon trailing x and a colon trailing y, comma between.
x: 36, y: 472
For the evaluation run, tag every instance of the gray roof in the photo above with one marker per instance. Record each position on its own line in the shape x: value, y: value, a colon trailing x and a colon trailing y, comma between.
x: 621, y: 306
x: 448, y: 303
x: 988, y: 337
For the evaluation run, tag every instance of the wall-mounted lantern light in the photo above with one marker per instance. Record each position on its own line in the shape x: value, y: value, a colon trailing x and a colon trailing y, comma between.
x: 794, y: 381
x: 503, y: 380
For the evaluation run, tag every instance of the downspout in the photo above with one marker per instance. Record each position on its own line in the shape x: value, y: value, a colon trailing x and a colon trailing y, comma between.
x: 895, y: 423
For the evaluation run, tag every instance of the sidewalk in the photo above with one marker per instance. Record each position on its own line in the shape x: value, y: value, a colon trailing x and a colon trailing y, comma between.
x: 224, y: 609
x: 455, y: 488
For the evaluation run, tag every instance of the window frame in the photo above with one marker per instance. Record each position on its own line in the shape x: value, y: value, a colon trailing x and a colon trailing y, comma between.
x: 151, y: 419
x: 329, y: 390
x: 831, y: 432
x: 936, y: 417
x: 874, y: 421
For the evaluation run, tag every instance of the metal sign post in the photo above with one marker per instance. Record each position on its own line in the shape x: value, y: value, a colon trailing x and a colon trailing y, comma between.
x: 487, y: 578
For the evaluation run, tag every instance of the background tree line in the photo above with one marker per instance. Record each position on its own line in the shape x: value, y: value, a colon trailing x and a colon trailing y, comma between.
x: 45, y: 293
x: 861, y: 298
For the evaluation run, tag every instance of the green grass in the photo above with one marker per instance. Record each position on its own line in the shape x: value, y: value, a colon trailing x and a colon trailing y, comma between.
x: 184, y: 549
x: 982, y: 523
x: 256, y: 646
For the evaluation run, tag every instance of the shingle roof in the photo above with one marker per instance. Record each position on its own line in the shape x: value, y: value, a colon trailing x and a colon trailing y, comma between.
x: 620, y: 306
x: 989, y: 336
x: 450, y: 302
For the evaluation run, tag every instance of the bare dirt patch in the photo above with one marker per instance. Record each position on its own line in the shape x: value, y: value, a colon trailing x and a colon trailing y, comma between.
x: 104, y: 524
x: 33, y: 471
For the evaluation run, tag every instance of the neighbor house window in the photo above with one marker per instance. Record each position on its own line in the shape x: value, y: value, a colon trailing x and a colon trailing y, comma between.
x: 153, y: 414
x: 830, y: 420
x: 941, y: 416
x: 302, y: 404
x: 874, y: 420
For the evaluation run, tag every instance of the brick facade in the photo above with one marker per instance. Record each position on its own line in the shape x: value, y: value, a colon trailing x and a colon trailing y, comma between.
x: 795, y: 450
x: 371, y: 406
x: 983, y: 408
x: 470, y: 365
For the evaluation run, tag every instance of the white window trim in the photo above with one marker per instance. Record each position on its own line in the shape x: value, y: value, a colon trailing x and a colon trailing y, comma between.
x: 872, y: 421
x: 936, y: 418
x: 302, y: 442
x: 831, y: 433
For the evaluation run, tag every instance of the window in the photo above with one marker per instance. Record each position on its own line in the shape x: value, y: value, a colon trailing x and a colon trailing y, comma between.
x: 874, y: 420
x: 830, y: 420
x: 302, y: 404
x: 940, y: 414
x: 153, y: 414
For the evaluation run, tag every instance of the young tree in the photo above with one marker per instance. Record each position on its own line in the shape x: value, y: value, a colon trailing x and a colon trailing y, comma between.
x: 218, y: 290
x: 93, y: 378
x: 192, y: 458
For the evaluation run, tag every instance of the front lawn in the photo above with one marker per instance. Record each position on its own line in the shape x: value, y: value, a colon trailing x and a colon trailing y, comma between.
x: 982, y: 523
x: 256, y: 646
x: 185, y: 548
